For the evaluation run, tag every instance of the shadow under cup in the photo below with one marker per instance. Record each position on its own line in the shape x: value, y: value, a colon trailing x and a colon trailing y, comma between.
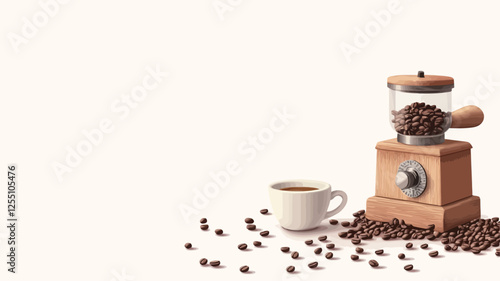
x: 300, y: 210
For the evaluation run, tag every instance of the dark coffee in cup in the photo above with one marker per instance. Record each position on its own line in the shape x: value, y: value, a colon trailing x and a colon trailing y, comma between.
x: 302, y: 188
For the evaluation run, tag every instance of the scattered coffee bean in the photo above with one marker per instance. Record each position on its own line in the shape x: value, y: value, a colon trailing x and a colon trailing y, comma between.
x: 409, y: 245
x: 447, y: 247
x: 454, y: 248
x: 345, y: 223
x: 373, y: 263
x: 215, y: 263
x: 342, y: 234
x: 434, y: 254
x: 219, y: 231
x: 379, y: 252
x: 322, y: 238
x: 291, y: 268
x: 318, y: 251
x: 401, y: 256
x: 263, y: 211
x: 359, y: 250
x: 445, y: 240
x: 308, y: 242
x: 188, y: 245
x: 203, y: 220
x: 203, y: 261
x: 313, y: 264
x: 204, y: 226
x: 476, y: 250
x: 330, y: 246
x: 257, y: 243
x: 354, y: 257
x: 249, y: 220
x: 295, y: 255
x: 355, y: 241
x: 329, y: 255
x: 408, y: 267
x: 334, y: 222
x: 242, y: 246
x: 244, y: 268
x: 251, y: 227
x: 264, y: 233
x: 424, y: 246
x: 285, y: 249
x: 497, y: 254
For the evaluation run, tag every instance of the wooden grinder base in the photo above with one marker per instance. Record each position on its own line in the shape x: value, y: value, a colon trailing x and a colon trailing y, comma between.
x: 422, y: 215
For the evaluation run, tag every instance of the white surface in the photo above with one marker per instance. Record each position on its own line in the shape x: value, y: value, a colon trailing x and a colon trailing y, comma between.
x: 119, y: 208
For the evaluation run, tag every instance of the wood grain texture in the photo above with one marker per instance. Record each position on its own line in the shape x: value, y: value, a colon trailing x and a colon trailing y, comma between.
x: 421, y: 215
x: 414, y: 80
x: 449, y: 177
x: 467, y: 117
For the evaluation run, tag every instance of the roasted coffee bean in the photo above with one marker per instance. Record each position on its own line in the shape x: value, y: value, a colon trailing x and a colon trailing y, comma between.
x: 219, y: 231
x: 401, y: 256
x: 215, y: 263
x: 264, y: 233
x: 424, y: 246
x: 409, y: 245
x: 408, y: 267
x: 355, y: 241
x: 447, y: 247
x: 476, y: 251
x: 257, y: 243
x: 203, y: 220
x: 313, y: 264
x: 465, y: 247
x: 203, y: 261
x: 188, y: 245
x: 345, y: 223
x: 445, y: 240
x: 406, y: 236
x: 295, y: 255
x: 263, y: 211
x: 251, y: 227
x: 285, y: 249
x: 290, y: 268
x: 354, y: 257
x: 379, y: 252
x: 359, y: 250
x: 242, y: 246
x: 373, y: 263
x: 204, y: 226
x: 308, y: 242
x: 329, y: 255
x: 334, y: 222
x: 342, y: 234
x: 434, y: 254
x: 249, y: 220
x: 454, y: 248
x: 318, y: 251
x: 330, y: 246
x: 322, y: 238
x: 244, y: 268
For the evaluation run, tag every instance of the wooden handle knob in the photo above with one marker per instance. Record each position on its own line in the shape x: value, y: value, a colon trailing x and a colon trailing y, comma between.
x: 467, y: 117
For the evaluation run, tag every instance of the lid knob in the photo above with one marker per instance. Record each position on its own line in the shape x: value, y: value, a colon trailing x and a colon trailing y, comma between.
x: 421, y: 74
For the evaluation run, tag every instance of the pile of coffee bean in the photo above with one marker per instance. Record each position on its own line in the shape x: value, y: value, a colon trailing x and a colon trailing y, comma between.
x: 475, y: 236
x: 420, y: 119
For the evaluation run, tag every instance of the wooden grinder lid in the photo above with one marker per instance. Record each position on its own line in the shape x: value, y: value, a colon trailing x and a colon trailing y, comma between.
x: 421, y: 83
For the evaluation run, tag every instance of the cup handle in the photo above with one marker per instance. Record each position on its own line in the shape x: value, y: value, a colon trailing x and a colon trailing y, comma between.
x: 336, y: 193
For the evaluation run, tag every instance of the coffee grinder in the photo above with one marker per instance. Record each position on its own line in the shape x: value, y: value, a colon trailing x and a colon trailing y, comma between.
x: 422, y: 177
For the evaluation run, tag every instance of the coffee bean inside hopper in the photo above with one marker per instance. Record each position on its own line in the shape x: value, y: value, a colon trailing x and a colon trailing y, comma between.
x: 420, y: 119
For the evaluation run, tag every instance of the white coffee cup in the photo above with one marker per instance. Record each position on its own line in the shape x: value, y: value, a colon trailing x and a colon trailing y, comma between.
x: 302, y: 210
